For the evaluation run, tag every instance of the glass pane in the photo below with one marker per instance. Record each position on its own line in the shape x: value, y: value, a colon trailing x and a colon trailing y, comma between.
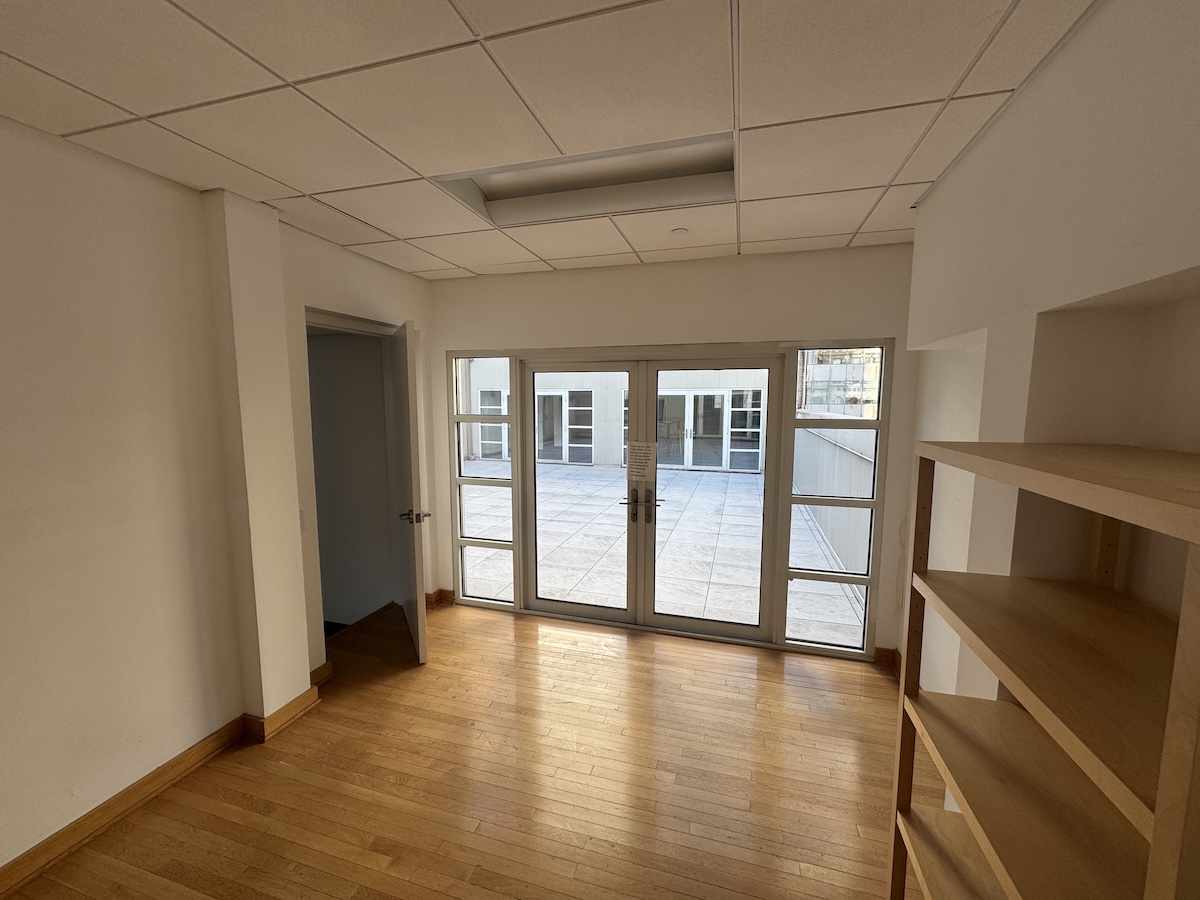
x: 744, y: 440
x: 709, y: 528
x: 581, y: 541
x: 747, y: 399
x: 670, y: 420
x: 743, y: 460
x: 487, y: 574
x: 480, y: 377
x: 486, y: 512
x: 581, y: 417
x: 548, y: 428
x: 744, y: 419
x: 579, y: 398
x: 839, y: 383
x: 579, y: 436
x: 830, y: 538
x: 834, y: 462
x: 483, y: 451
x: 708, y: 429
x: 821, y: 612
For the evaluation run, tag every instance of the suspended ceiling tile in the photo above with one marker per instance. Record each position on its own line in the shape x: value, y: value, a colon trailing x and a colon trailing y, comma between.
x: 533, y: 265
x: 37, y: 99
x: 1029, y: 34
x: 596, y: 262
x: 328, y: 223
x: 147, y: 57
x: 145, y: 145
x: 873, y: 238
x: 404, y: 256
x: 482, y: 248
x: 302, y: 38
x: 407, y: 209
x: 958, y: 123
x: 794, y: 245
x: 807, y: 58
x: 490, y: 17
x: 446, y: 112
x: 680, y: 253
x: 813, y: 216
x: 285, y: 135
x: 835, y: 154
x: 441, y: 274
x: 895, y: 210
x: 633, y: 76
x: 558, y: 240
x: 706, y: 226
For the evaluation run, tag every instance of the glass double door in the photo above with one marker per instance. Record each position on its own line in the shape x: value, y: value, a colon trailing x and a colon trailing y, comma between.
x: 692, y: 429
x: 658, y: 526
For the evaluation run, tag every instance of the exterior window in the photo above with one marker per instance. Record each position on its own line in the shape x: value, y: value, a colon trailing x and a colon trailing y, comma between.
x: 835, y: 486
x: 746, y: 431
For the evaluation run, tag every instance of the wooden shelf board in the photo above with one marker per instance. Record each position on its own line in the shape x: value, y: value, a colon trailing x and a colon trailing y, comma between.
x: 1157, y: 489
x: 946, y: 857
x: 1046, y: 830
x: 1091, y: 667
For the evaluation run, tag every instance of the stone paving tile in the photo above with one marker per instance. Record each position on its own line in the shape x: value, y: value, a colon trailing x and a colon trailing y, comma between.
x: 707, y: 548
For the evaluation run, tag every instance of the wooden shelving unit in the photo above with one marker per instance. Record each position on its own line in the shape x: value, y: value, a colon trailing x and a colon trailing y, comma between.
x: 1083, y: 781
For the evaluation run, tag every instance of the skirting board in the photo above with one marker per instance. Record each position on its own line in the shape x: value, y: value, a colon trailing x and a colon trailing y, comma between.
x: 259, y: 729
x: 63, y: 841
x: 888, y: 658
x: 321, y: 674
x: 440, y: 597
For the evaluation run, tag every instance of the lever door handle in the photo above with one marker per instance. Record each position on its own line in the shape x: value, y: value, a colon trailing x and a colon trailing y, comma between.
x: 632, y: 503
x: 415, y: 518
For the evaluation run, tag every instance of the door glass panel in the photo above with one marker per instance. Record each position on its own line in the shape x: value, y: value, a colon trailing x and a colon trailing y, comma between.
x: 548, y: 428
x: 671, y: 419
x: 582, y: 531
x: 834, y: 462
x: 709, y: 528
x: 486, y: 512
x: 483, y: 450
x: 487, y: 574
x: 821, y: 612
x: 830, y: 538
x: 708, y: 430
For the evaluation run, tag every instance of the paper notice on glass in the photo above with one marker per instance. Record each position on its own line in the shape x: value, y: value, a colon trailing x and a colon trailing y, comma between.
x: 642, y: 458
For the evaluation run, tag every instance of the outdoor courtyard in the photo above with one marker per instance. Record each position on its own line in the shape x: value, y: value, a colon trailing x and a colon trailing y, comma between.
x: 707, y: 553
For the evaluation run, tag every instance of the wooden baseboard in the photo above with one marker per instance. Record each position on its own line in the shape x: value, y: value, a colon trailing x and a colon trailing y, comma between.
x: 440, y: 597
x: 260, y: 729
x: 30, y: 863
x: 321, y: 674
x: 888, y: 658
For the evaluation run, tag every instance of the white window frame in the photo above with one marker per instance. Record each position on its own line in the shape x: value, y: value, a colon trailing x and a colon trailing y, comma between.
x: 761, y: 428
x: 502, y: 411
x: 775, y: 549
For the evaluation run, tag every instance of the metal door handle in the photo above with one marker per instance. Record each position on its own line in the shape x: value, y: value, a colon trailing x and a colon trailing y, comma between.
x: 415, y: 518
x: 632, y: 503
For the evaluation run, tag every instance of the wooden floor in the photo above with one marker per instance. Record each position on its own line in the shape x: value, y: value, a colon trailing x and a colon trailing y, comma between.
x: 538, y: 759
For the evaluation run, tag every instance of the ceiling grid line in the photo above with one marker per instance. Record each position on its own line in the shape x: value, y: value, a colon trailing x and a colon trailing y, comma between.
x: 945, y: 103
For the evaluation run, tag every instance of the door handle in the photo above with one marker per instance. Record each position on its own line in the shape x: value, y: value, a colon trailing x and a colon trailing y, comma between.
x: 415, y: 518
x: 632, y: 503
x: 652, y: 504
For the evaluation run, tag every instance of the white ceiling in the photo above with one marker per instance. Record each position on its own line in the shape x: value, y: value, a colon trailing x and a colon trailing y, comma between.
x: 344, y: 115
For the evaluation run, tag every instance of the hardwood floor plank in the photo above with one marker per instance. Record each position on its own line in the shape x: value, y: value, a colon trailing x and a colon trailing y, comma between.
x: 535, y: 759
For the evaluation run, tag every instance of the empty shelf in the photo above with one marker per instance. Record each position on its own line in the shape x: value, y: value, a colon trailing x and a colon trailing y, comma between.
x: 946, y: 857
x: 1045, y: 828
x: 1092, y: 668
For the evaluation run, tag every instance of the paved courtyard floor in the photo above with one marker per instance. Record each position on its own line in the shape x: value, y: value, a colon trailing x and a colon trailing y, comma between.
x: 707, y: 552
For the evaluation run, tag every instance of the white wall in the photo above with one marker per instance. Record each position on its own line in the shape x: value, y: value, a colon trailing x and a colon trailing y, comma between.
x: 324, y: 276
x: 118, y: 636
x: 859, y: 293
x: 1085, y: 184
